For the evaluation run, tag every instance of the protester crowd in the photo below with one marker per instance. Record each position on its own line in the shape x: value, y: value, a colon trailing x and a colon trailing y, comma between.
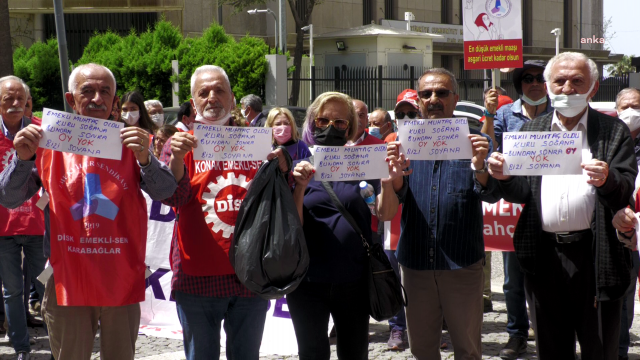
x: 571, y: 277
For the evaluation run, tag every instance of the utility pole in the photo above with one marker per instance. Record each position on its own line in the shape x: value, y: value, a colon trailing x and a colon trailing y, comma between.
x: 62, y: 49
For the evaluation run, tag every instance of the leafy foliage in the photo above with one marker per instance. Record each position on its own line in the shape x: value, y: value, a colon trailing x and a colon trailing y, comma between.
x: 143, y: 62
x: 622, y: 67
x: 39, y: 67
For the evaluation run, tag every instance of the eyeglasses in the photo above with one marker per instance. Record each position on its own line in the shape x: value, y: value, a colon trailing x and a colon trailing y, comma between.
x: 410, y: 114
x: 440, y: 93
x: 528, y: 79
x: 339, y: 124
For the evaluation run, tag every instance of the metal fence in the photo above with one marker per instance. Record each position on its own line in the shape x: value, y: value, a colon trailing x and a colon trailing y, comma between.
x: 379, y: 86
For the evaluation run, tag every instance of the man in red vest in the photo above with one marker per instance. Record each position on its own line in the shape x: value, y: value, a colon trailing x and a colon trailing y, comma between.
x: 97, y: 219
x: 22, y: 228
x: 209, y: 194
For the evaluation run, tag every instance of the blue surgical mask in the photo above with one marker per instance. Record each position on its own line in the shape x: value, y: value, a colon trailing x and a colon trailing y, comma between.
x: 375, y: 131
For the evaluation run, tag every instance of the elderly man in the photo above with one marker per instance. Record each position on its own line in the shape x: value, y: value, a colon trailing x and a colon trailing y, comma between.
x: 204, y: 284
x: 90, y: 284
x: 363, y: 137
x: 628, y: 107
x: 251, y: 109
x: 156, y: 111
x: 380, y: 123
x: 22, y: 229
x: 575, y: 275
x: 530, y: 85
x: 441, y: 248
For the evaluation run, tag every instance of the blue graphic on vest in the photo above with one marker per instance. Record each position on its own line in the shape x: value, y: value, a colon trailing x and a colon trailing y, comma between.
x: 94, y: 202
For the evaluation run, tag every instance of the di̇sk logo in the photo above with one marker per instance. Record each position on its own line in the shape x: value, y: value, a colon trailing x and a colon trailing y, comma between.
x: 222, y: 202
x: 6, y: 158
x: 93, y: 202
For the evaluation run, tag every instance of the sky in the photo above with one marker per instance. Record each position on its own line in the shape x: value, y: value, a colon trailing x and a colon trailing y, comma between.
x: 625, y: 25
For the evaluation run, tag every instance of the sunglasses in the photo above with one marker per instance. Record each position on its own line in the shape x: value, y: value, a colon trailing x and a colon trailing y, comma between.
x: 339, y: 124
x: 440, y: 93
x: 528, y: 79
x: 400, y: 115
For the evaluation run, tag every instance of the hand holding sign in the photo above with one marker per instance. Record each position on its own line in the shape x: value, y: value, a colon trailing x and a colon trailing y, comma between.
x: 181, y: 144
x: 496, y: 164
x: 398, y: 163
x: 480, y: 149
x: 136, y: 139
x: 302, y: 174
x: 598, y: 172
x: 27, y: 141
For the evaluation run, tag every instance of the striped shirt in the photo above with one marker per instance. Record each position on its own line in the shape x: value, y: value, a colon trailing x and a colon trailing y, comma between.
x: 442, y: 216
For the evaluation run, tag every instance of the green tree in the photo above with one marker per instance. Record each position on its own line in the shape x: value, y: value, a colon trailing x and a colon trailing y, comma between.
x: 39, y: 67
x: 301, y: 19
x: 243, y: 61
x: 622, y: 67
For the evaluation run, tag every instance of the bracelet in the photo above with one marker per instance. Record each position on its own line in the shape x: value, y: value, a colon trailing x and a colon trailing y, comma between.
x: 488, y: 114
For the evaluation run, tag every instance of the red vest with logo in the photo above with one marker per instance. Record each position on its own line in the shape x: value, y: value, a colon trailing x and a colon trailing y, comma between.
x: 206, y: 223
x: 26, y: 219
x: 98, y: 228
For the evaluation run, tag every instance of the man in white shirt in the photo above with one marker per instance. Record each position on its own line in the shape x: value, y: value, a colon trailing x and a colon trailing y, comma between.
x: 575, y: 276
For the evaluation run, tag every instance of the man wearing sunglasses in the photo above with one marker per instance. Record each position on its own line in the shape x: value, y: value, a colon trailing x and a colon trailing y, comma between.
x: 441, y: 247
x: 529, y: 83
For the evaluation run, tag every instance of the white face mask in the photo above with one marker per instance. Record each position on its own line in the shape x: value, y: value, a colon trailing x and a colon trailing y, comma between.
x: 569, y: 105
x: 243, y: 112
x: 158, y: 119
x: 631, y: 117
x: 526, y: 99
x: 222, y: 121
x: 131, y: 117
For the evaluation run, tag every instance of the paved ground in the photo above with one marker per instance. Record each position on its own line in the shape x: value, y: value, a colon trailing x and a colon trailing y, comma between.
x: 493, y: 336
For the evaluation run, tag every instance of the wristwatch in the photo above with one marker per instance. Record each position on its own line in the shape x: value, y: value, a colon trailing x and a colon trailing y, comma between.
x: 481, y: 171
x: 488, y: 114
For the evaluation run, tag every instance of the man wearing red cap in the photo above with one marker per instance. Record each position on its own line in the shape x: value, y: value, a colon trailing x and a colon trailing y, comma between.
x: 406, y: 109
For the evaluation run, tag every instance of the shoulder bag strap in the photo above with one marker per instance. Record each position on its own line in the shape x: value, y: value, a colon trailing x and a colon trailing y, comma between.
x: 344, y: 212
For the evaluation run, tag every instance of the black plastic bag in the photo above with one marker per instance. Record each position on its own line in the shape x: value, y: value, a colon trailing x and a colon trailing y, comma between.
x: 269, y: 252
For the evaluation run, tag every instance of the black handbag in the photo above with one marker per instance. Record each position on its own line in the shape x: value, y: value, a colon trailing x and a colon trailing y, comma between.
x: 385, y: 290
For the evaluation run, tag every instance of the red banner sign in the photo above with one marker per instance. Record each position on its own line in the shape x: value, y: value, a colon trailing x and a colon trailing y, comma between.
x: 492, y: 54
x: 500, y: 221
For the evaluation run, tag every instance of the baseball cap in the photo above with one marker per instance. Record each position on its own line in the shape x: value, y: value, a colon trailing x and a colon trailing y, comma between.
x: 517, y: 73
x: 408, y: 95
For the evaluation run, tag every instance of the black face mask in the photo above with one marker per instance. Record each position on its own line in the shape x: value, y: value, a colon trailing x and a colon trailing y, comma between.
x: 330, y: 136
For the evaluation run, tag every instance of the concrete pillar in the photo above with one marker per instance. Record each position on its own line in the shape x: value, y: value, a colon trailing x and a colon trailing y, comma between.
x: 38, y: 27
x: 276, y: 87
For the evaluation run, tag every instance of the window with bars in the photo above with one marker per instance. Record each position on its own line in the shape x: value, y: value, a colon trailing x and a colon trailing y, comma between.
x: 389, y: 9
x: 567, y: 23
x: 367, y: 16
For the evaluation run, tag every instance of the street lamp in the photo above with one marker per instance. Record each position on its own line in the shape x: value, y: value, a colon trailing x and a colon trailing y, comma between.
x: 557, y: 33
x: 275, y: 19
x: 310, y: 29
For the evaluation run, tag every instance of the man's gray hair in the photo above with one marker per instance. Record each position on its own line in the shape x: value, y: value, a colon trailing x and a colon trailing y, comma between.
x: 149, y: 103
x: 27, y: 89
x: 15, y: 78
x: 624, y: 92
x: 253, y: 101
x: 572, y: 56
x: 76, y: 71
x: 208, y: 68
x: 441, y: 71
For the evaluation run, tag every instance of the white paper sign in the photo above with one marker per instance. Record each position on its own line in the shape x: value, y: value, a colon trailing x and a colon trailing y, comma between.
x: 542, y: 152
x: 221, y: 143
x: 347, y: 163
x: 81, y: 135
x: 436, y: 139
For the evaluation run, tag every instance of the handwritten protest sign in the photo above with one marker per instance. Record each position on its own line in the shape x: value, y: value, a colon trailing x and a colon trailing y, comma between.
x: 438, y: 139
x: 220, y: 143
x: 346, y: 163
x: 542, y: 153
x: 492, y: 34
x: 81, y: 135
